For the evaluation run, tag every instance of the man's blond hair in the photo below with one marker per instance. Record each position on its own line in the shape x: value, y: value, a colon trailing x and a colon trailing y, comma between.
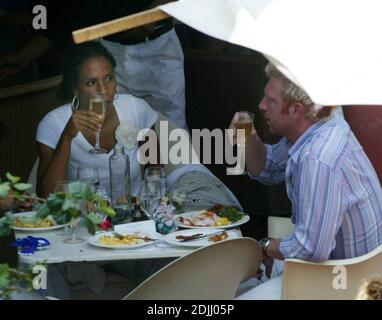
x: 291, y: 93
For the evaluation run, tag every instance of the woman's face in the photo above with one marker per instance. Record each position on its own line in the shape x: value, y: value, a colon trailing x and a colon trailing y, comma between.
x: 96, y: 77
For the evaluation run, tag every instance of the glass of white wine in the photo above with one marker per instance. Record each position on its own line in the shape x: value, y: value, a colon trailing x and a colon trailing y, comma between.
x: 98, y: 106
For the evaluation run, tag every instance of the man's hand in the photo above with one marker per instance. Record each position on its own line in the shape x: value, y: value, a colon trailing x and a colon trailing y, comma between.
x: 268, y: 263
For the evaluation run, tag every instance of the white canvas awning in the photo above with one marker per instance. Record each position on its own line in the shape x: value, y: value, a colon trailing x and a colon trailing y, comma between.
x: 331, y: 48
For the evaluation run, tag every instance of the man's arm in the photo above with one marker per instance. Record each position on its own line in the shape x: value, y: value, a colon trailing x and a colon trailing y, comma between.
x: 317, y: 205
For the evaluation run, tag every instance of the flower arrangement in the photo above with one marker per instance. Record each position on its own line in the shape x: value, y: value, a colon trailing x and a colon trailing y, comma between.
x: 14, y: 280
x: 126, y: 135
x: 62, y: 206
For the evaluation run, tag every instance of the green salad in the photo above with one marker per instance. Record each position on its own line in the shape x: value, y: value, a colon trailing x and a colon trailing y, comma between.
x: 232, y: 213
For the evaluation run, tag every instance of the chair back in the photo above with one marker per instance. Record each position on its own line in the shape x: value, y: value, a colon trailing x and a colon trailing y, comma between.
x: 330, y: 280
x: 210, y: 273
x: 21, y: 109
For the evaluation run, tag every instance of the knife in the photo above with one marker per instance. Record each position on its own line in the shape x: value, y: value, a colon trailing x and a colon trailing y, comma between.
x: 198, y: 236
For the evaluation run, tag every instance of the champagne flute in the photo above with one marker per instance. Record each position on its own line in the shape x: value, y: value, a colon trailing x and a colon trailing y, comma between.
x: 98, y: 105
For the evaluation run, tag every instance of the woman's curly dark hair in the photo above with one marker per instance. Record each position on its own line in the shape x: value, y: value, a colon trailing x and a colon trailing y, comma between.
x: 75, y: 58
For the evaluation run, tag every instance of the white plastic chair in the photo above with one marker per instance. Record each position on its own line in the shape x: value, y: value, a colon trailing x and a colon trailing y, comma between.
x: 310, y: 281
x: 210, y: 273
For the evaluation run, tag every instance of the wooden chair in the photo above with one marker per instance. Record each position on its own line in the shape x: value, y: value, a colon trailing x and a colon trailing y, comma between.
x: 21, y: 109
x: 210, y: 273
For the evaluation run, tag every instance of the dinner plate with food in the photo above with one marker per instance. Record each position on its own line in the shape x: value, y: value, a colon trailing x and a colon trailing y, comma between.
x: 114, y: 240
x: 219, y: 217
x: 27, y: 221
x: 199, y: 237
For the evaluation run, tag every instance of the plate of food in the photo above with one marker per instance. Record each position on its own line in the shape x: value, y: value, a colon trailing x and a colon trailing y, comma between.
x: 27, y: 221
x: 199, y: 237
x: 219, y: 217
x: 113, y: 240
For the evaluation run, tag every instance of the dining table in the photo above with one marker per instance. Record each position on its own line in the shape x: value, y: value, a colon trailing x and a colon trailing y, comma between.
x: 59, y: 252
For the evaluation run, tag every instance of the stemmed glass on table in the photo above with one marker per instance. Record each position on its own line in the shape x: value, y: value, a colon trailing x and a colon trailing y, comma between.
x: 155, y: 174
x: 98, y: 105
x: 70, y: 228
x: 63, y: 186
x: 151, y: 196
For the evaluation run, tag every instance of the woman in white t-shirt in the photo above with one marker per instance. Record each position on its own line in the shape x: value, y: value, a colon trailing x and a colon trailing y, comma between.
x: 66, y: 134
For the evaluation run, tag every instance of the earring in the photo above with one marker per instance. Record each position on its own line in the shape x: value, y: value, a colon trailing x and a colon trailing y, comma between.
x: 75, y: 102
x: 117, y: 94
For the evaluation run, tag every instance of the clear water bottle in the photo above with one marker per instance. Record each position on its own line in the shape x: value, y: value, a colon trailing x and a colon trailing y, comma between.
x: 119, y: 164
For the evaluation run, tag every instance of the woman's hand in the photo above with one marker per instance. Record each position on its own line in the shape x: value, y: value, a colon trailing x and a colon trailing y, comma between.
x: 84, y: 121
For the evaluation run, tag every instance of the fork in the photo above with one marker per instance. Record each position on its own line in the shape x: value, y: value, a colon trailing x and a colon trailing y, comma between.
x: 198, y: 236
x: 120, y: 236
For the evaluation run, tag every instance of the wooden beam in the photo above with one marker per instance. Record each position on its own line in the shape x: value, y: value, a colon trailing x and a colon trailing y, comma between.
x: 118, y: 25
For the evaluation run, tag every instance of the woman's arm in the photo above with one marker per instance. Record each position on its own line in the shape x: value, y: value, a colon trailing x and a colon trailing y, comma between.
x: 52, y: 166
x: 53, y: 163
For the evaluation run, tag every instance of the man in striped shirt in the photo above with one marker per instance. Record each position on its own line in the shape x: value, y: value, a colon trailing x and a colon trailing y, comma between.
x: 335, y: 192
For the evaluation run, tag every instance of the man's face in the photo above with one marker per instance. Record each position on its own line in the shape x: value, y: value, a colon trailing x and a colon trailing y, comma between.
x: 274, y: 108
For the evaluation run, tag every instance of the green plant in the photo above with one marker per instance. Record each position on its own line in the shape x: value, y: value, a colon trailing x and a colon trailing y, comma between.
x: 62, y: 206
x: 14, y: 280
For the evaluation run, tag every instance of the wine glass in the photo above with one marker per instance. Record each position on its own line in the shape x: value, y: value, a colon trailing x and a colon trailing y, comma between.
x: 150, y: 197
x: 244, y: 123
x: 73, y: 225
x: 90, y: 175
x: 156, y: 174
x: 62, y: 186
x: 98, y: 105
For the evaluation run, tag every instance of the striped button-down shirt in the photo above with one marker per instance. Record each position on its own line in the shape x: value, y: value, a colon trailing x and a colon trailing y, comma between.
x: 335, y: 193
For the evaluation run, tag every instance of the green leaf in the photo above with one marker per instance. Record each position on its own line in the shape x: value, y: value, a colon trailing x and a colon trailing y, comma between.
x: 81, y: 190
x: 108, y: 210
x: 4, y: 189
x: 12, y: 179
x: 90, y: 225
x: 94, y: 218
x: 70, y: 204
x: 6, y: 223
x: 22, y: 186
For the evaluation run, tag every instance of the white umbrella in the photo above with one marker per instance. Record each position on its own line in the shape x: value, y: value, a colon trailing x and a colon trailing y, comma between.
x: 331, y: 48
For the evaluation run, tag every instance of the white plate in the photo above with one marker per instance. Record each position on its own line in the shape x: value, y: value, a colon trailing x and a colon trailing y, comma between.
x: 94, y: 240
x: 31, y: 214
x: 171, y: 237
x: 243, y: 220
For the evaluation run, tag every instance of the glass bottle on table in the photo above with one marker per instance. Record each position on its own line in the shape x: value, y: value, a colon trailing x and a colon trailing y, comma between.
x: 119, y: 165
x: 97, y: 105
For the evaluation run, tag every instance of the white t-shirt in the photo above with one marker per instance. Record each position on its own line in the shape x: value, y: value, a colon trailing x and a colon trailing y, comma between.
x: 128, y: 107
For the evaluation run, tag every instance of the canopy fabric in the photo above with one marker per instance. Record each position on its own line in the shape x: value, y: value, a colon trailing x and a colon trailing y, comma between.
x: 331, y: 48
